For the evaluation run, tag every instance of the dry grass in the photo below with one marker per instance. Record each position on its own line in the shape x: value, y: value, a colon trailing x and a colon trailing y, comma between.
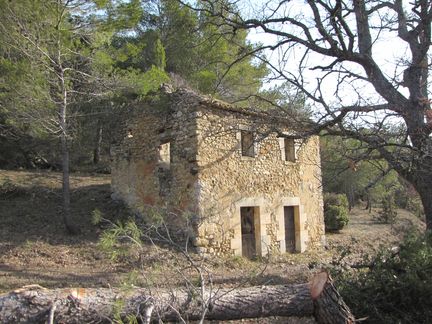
x: 365, y: 236
x: 33, y: 244
x: 34, y: 247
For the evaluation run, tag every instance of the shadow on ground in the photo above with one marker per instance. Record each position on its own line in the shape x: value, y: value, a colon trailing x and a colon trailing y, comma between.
x: 34, y: 213
x: 56, y: 277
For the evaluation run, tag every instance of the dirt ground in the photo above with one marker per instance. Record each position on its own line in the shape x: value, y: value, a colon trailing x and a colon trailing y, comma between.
x: 35, y: 250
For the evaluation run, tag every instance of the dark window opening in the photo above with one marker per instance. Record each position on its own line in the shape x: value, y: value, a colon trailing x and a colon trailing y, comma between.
x: 247, y: 143
x: 289, y: 229
x: 289, y: 150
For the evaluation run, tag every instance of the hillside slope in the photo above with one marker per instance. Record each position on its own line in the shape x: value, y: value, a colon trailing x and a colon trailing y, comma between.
x: 35, y: 250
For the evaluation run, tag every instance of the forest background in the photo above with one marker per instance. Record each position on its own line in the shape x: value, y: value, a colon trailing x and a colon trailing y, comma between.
x: 69, y: 70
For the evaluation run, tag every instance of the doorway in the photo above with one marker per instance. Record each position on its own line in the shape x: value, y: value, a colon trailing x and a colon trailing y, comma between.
x: 289, y: 221
x: 248, y: 232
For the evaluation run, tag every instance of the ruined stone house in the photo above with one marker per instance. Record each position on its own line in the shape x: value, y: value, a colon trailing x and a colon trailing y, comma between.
x: 250, y: 186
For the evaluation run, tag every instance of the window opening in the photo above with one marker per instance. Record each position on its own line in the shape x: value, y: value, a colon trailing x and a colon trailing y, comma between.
x: 165, y: 155
x: 247, y: 143
x: 290, y: 154
x: 164, y: 172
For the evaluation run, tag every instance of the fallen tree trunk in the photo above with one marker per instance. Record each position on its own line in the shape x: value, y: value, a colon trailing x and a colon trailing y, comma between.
x: 329, y: 307
x: 34, y: 304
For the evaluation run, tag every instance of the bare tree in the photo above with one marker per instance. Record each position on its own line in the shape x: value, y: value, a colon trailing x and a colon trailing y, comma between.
x: 363, y: 65
x: 50, y: 34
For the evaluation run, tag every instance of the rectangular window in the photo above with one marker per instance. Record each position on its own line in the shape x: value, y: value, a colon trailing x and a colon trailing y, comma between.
x: 165, y: 155
x: 164, y: 172
x: 290, y: 154
x: 247, y: 143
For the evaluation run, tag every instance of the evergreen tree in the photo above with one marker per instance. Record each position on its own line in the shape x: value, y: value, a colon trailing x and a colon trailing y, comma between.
x: 58, y: 48
x: 194, y: 48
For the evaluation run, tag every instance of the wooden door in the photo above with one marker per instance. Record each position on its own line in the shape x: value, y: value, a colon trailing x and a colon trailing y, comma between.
x: 289, y: 229
x: 248, y: 232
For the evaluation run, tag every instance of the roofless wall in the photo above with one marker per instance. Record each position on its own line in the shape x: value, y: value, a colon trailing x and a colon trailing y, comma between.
x: 249, y: 189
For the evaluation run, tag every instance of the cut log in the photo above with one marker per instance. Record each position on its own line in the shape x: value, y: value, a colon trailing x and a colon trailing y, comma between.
x: 329, y: 307
x: 35, y: 304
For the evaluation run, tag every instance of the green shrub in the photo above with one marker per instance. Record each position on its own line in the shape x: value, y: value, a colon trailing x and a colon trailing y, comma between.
x: 335, y: 217
x: 121, y: 240
x: 415, y: 206
x: 397, y: 287
x: 9, y: 188
x: 335, y: 211
x: 388, y: 213
x: 335, y: 200
x: 408, y: 198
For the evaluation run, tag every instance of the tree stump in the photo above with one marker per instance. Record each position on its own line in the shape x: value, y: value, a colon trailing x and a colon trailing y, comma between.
x: 329, y: 307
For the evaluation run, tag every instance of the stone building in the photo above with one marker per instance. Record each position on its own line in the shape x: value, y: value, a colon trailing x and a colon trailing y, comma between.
x: 248, y: 185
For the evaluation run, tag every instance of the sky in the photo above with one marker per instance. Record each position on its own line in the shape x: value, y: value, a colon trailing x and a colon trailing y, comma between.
x: 387, y: 50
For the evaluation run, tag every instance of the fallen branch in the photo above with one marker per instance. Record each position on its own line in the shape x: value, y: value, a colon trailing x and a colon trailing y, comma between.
x: 393, y: 252
x: 36, y: 304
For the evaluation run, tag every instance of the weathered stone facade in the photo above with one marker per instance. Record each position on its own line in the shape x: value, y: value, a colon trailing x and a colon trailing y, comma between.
x: 251, y: 190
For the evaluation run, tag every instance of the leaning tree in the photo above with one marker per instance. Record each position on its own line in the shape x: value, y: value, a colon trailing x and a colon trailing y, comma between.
x: 364, y: 65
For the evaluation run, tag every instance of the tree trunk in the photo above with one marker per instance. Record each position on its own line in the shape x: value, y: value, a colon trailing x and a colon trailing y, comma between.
x: 34, y: 304
x: 368, y: 203
x: 329, y: 306
x: 349, y: 192
x: 425, y: 191
x: 97, y: 150
x: 66, y: 186
x: 65, y: 174
x: 70, y: 228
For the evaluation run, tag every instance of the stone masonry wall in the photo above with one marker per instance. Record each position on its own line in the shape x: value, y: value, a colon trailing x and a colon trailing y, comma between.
x: 228, y: 181
x: 201, y: 172
x: 146, y: 170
